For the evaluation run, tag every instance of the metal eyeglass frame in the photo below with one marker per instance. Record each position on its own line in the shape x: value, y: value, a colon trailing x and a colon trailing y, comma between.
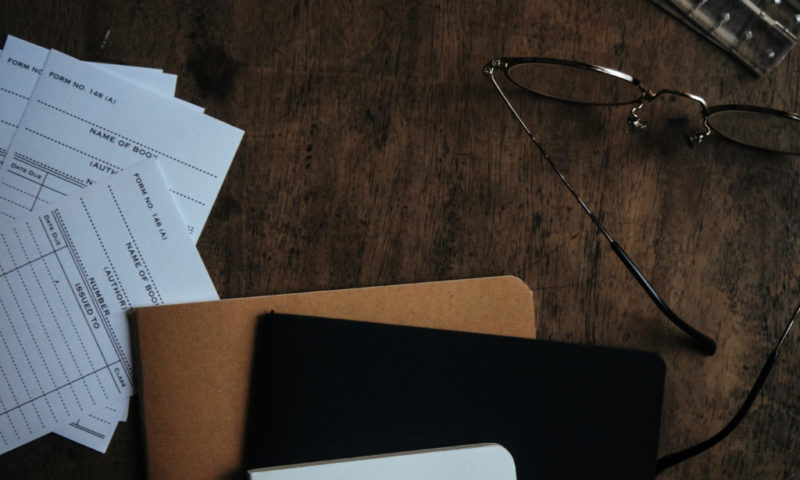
x: 705, y: 343
x: 645, y: 96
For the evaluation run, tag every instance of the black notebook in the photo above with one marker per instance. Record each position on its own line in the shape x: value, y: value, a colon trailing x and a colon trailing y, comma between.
x: 326, y: 389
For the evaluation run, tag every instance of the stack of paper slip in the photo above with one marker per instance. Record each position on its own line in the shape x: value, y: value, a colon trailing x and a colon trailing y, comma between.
x: 106, y: 182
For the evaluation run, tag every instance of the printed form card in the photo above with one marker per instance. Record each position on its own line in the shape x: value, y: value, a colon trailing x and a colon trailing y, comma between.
x: 83, y: 124
x: 19, y: 72
x: 21, y: 63
x: 68, y: 275
x: 96, y: 429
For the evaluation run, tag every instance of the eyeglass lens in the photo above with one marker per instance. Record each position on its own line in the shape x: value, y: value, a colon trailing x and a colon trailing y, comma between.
x: 765, y: 130
x: 574, y: 84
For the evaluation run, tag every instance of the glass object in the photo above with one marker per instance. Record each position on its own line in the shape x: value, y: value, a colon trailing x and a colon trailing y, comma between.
x: 757, y: 32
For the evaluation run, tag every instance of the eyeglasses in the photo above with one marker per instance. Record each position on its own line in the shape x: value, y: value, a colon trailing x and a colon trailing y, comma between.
x: 575, y: 82
x: 752, y: 126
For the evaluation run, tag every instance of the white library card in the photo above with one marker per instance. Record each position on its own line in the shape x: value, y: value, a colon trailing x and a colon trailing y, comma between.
x: 94, y: 430
x: 68, y: 275
x: 83, y: 124
x: 471, y: 462
x: 20, y: 65
x: 19, y: 72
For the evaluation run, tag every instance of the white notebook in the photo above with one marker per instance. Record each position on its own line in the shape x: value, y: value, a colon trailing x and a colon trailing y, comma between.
x: 470, y: 462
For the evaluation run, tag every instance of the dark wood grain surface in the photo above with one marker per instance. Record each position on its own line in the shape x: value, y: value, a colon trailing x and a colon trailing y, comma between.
x: 376, y: 152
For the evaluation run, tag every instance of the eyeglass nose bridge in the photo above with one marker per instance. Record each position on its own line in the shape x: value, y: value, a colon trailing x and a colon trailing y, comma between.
x: 693, y: 138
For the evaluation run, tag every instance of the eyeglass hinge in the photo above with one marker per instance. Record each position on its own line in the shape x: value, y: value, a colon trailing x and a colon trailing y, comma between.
x: 488, y: 69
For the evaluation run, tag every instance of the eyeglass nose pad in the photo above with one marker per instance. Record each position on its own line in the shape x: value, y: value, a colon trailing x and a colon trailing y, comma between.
x: 698, y: 136
x: 695, y: 138
x: 636, y: 123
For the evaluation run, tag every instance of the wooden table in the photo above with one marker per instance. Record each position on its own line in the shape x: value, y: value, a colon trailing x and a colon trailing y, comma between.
x: 376, y: 152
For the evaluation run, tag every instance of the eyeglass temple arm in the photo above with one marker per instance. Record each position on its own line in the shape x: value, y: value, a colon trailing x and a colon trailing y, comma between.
x: 672, y: 459
x: 704, y: 342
